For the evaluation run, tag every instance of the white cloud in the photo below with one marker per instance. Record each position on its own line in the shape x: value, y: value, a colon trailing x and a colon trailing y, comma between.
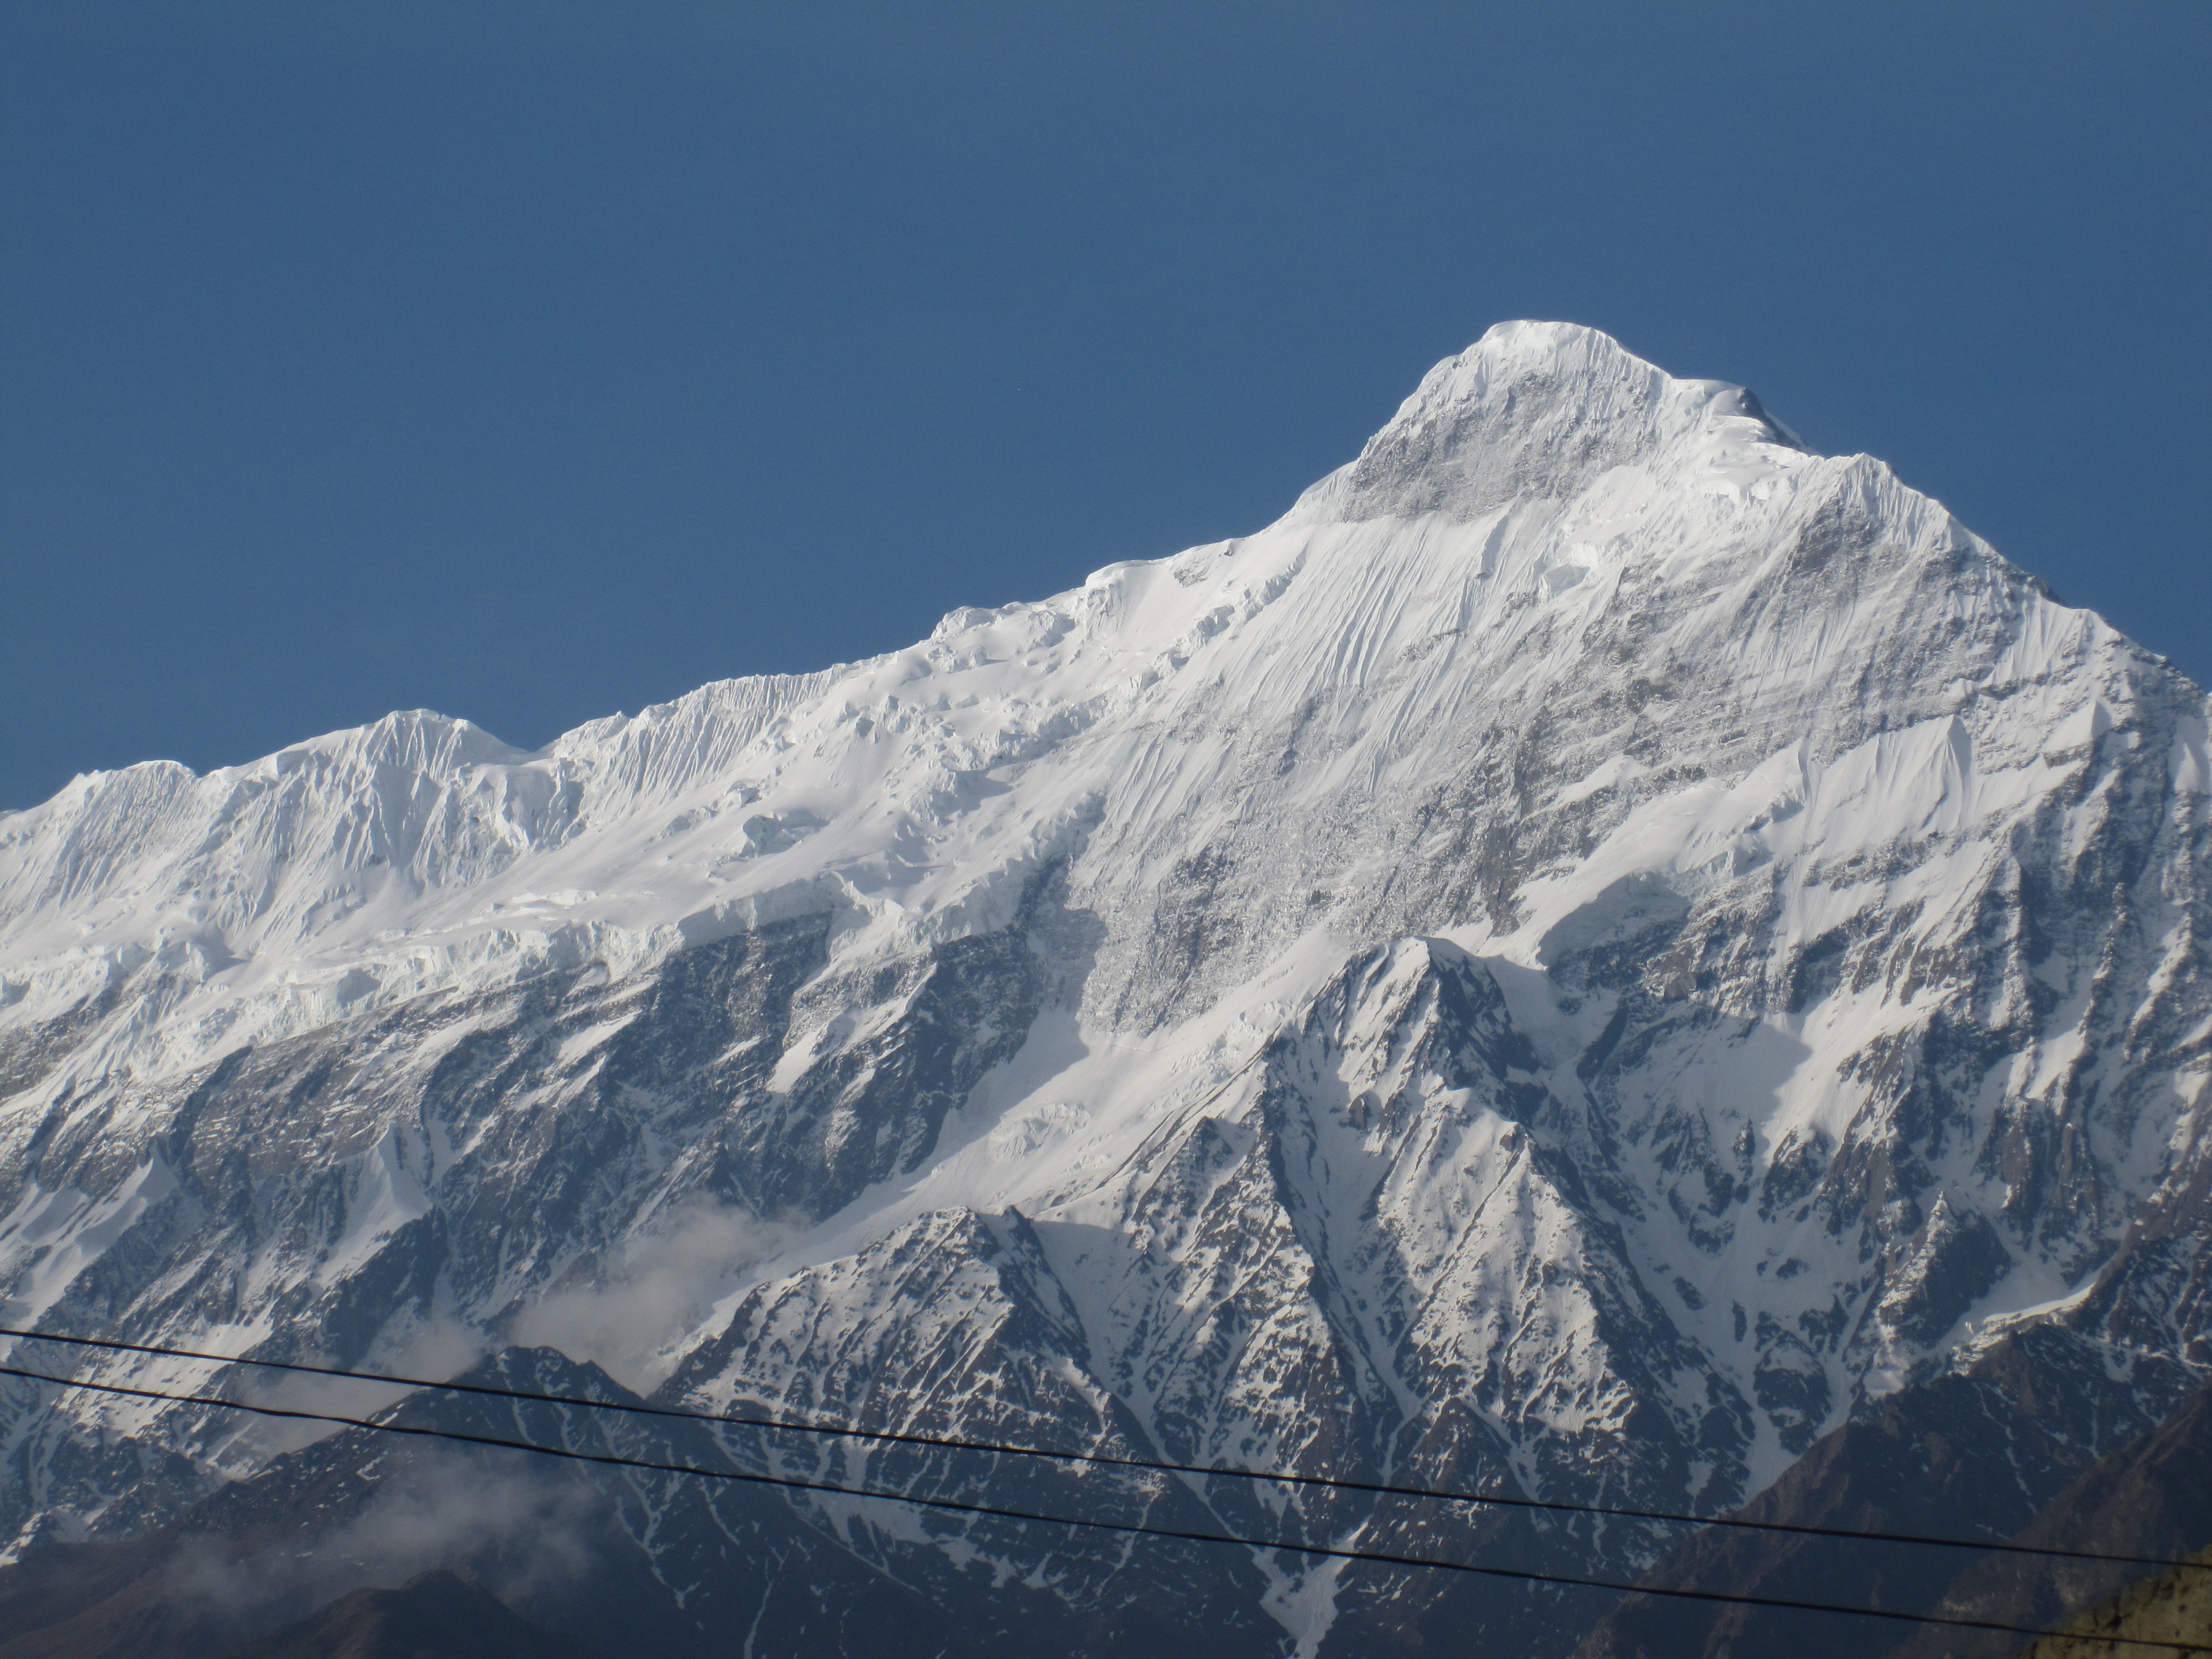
x: 650, y: 1294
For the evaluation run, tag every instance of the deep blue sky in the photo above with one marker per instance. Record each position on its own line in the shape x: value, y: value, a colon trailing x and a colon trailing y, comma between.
x: 533, y: 361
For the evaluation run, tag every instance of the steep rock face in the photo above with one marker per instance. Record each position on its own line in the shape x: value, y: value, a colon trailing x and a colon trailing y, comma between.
x: 1599, y: 949
x: 1964, y: 1455
x: 2149, y: 1499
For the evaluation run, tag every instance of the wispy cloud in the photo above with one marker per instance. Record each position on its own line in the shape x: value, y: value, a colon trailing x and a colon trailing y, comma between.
x: 435, y: 1348
x: 520, y: 1533
x: 646, y: 1297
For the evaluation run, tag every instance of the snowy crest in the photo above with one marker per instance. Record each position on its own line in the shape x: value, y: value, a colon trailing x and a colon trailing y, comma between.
x: 1530, y: 411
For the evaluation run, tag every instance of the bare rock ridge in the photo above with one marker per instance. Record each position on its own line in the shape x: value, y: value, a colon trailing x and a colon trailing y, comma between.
x: 1926, y: 1463
x: 2175, y: 1607
x: 1603, y: 956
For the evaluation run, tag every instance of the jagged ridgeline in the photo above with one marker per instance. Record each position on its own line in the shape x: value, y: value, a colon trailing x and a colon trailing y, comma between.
x: 1602, y: 957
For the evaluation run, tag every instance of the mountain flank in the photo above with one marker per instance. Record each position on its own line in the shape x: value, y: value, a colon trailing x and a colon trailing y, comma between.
x: 1603, y: 956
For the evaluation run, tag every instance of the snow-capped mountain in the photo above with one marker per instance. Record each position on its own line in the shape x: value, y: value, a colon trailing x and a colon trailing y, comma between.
x: 1598, y: 949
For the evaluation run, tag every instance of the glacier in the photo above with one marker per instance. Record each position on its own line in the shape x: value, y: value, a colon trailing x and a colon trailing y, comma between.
x: 1599, y: 949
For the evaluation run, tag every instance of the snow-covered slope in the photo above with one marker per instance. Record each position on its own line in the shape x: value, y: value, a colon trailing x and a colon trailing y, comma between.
x: 1596, y: 945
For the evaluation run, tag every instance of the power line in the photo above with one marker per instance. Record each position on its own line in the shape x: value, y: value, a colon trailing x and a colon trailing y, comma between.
x: 1335, y: 1552
x: 801, y: 1425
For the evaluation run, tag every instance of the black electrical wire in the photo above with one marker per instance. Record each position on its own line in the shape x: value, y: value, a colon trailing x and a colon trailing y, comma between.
x: 1334, y: 1551
x: 1106, y: 1459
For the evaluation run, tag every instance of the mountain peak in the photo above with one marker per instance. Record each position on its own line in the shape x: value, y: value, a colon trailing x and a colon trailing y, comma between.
x: 1530, y: 409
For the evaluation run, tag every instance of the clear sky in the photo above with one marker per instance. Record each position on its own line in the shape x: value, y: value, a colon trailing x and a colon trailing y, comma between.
x: 533, y: 361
